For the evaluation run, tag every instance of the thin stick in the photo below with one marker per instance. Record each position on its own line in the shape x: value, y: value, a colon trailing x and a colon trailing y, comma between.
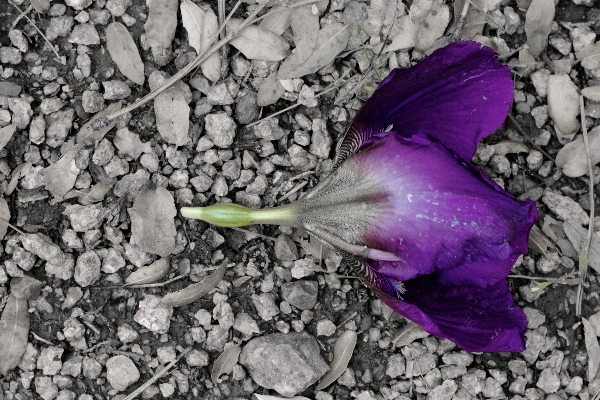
x: 156, y: 376
x: 40, y: 32
x: 583, y: 257
x: 157, y: 284
x: 535, y: 146
x: 561, y: 280
x: 255, y: 234
x: 16, y: 21
x: 292, y: 191
x: 461, y: 21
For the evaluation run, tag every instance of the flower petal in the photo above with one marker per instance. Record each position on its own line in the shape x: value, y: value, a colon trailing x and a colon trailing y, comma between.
x: 475, y: 318
x: 457, y: 95
x: 440, y: 214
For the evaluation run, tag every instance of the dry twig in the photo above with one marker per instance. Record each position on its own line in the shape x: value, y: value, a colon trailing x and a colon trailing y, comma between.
x: 585, y: 249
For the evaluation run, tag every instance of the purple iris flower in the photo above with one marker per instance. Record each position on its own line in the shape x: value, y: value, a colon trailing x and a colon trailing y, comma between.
x: 431, y: 234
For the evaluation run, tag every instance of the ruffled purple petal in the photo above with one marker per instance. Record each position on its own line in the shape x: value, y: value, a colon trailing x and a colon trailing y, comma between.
x: 457, y: 95
x: 440, y: 214
x: 476, y: 318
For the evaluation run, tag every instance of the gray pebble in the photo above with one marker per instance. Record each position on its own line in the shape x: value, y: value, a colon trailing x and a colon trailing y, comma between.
x: 287, y: 363
x: 116, y: 90
x: 220, y: 129
x: 154, y: 314
x: 121, y: 372
x: 92, y: 101
x: 87, y: 269
x: 84, y: 34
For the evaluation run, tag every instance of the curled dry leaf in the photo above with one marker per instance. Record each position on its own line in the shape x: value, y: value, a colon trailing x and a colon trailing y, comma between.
x: 538, y: 25
x: 86, y: 131
x: 124, y: 53
x: 6, y: 133
x: 258, y: 43
x: 573, y: 157
x: 211, y: 68
x: 539, y: 242
x: 61, y: 176
x: 192, y: 18
x: 153, y: 221
x: 224, y: 364
x: 270, y: 91
x: 278, y: 21
x: 342, y: 353
x: 408, y: 334
x: 150, y: 273
x: 577, y: 235
x: 160, y: 29
x: 4, y: 216
x: 201, y: 26
x: 331, y: 41
x: 563, y: 103
x: 14, y: 331
x: 591, y: 92
x: 197, y: 290
x: 593, y: 349
x: 172, y: 116
x: 20, y: 171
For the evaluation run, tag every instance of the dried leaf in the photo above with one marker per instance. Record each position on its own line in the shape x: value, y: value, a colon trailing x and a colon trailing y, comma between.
x: 192, y: 18
x: 17, y: 173
x: 172, y: 116
x: 270, y: 91
x: 539, y: 242
x: 201, y: 26
x: 279, y: 21
x: 331, y: 41
x: 6, y: 133
x: 4, y: 216
x: 211, y: 68
x: 592, y: 347
x: 130, y: 144
x: 124, y: 53
x: 305, y: 26
x: 577, y: 235
x: 41, y: 6
x: 150, y: 273
x: 224, y: 364
x: 14, y: 331
x: 197, y: 290
x: 563, y: 103
x: 408, y: 334
x: 257, y: 43
x: 86, y: 132
x: 573, y: 158
x: 406, y: 38
x: 432, y: 28
x: 61, y: 176
x: 160, y: 29
x: 342, y: 353
x: 538, y: 25
x: 96, y: 193
x: 591, y: 92
x: 153, y: 221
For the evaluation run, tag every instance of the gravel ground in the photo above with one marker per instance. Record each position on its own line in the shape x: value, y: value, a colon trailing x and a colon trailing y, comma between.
x: 282, y: 296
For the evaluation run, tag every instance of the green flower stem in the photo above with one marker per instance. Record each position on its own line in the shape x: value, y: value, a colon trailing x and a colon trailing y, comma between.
x: 235, y: 216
